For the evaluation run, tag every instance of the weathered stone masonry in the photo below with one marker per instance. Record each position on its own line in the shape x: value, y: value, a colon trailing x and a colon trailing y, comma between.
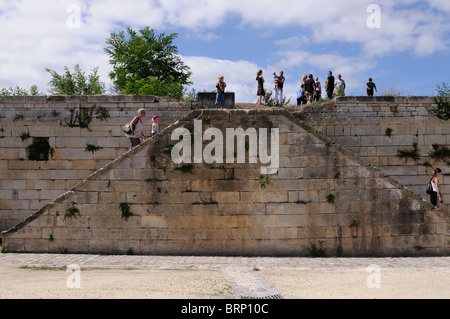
x: 375, y: 129
x: 322, y: 195
x: 26, y: 186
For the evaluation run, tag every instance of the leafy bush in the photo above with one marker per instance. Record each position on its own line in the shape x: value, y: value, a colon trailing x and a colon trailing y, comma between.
x: 153, y: 86
x: 442, y: 110
x: 270, y: 101
x: 76, y: 83
x: 18, y: 91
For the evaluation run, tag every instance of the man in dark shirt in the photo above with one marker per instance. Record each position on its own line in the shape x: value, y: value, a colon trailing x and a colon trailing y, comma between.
x: 370, y: 87
x: 310, y: 87
x: 329, y: 84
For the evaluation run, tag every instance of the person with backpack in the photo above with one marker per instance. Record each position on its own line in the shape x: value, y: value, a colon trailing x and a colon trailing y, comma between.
x: 137, y: 129
x: 435, y: 194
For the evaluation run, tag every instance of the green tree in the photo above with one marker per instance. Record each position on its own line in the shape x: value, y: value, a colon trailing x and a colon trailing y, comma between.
x: 18, y: 91
x: 153, y: 86
x: 141, y: 58
x: 77, y: 83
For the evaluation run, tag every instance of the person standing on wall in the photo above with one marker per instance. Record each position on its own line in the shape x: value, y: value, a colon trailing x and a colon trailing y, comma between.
x: 279, y: 84
x: 329, y: 85
x: 435, y: 196
x: 310, y: 87
x: 261, y: 93
x: 340, y: 86
x: 370, y: 86
x: 137, y: 129
x: 301, y: 98
x: 318, y: 91
x: 220, y: 96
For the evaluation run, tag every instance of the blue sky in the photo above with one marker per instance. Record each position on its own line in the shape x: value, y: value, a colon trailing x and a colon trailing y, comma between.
x: 403, y: 45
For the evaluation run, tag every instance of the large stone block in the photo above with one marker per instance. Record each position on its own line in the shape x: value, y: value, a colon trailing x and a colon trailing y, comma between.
x: 287, y: 209
x: 265, y: 197
x: 208, y: 99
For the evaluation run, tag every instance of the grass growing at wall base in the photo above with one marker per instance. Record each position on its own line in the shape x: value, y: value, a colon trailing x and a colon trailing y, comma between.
x: 339, y: 251
x: 316, y: 251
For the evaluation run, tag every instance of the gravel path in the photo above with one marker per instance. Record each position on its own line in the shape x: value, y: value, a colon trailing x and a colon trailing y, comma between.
x: 42, y: 276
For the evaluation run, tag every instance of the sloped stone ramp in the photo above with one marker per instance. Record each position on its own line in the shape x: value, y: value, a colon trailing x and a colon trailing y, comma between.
x: 322, y: 201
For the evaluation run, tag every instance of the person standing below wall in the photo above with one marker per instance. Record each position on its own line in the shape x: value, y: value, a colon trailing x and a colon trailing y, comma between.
x: 370, y: 86
x: 279, y: 84
x: 137, y: 129
x: 435, y: 196
x: 329, y: 85
x: 220, y: 96
x: 261, y: 93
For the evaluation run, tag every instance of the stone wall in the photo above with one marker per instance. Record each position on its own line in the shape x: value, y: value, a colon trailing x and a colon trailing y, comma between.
x: 27, y: 185
x: 376, y: 129
x: 322, y: 199
x: 208, y: 99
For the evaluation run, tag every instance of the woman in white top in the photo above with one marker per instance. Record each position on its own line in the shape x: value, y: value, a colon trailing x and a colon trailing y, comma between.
x: 137, y: 129
x: 435, y: 196
x: 318, y: 93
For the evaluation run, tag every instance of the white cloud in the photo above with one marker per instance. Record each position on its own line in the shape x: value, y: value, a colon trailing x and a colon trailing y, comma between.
x: 35, y: 35
x: 442, y: 5
x: 240, y: 76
